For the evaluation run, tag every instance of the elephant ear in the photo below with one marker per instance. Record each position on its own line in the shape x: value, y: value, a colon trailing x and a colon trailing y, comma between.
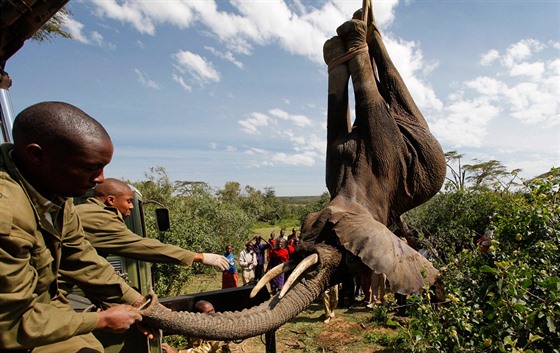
x: 380, y: 249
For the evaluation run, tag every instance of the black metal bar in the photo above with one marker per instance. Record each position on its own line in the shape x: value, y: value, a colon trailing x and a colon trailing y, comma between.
x: 270, y: 341
x: 230, y: 299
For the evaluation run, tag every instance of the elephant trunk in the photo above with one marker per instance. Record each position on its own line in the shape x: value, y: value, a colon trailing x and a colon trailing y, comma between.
x: 251, y: 322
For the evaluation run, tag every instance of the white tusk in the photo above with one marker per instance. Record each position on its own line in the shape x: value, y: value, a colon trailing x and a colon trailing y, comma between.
x: 270, y: 274
x: 301, y: 267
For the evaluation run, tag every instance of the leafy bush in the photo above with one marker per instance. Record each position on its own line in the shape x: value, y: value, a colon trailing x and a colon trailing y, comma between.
x: 508, y: 298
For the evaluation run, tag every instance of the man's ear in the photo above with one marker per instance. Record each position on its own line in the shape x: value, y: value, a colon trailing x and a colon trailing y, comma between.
x: 110, y: 200
x: 34, y: 154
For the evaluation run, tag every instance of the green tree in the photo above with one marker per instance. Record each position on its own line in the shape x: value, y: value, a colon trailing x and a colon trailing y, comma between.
x: 200, y: 222
x: 454, y: 166
x: 53, y: 27
x: 481, y: 175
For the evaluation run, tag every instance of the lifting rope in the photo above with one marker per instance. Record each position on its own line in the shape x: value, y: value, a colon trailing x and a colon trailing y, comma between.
x: 353, y: 52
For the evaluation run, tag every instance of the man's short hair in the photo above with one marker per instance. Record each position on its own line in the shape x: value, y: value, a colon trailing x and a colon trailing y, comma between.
x: 56, y: 124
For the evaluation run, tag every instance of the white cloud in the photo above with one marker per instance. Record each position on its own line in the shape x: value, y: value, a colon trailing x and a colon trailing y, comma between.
x: 298, y: 27
x: 228, y: 56
x: 533, y: 71
x: 465, y: 122
x: 126, y: 12
x: 487, y: 86
x: 146, y: 81
x: 298, y: 120
x: 200, y: 70
x: 529, y: 95
x: 252, y: 124
x: 409, y: 60
x: 489, y: 57
x: 182, y: 83
x: 76, y: 28
x: 279, y: 127
x: 306, y: 159
x: 521, y: 50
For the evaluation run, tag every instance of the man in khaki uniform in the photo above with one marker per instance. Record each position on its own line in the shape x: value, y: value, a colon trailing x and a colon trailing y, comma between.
x: 103, y: 221
x: 58, y: 152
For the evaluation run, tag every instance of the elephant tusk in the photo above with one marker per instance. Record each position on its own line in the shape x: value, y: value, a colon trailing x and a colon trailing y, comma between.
x: 270, y: 274
x: 301, y: 267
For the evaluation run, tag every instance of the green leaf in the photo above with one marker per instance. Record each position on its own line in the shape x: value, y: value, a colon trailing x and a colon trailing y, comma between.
x: 391, y: 323
x: 521, y: 308
x: 550, y: 324
x: 488, y: 269
x: 533, y: 338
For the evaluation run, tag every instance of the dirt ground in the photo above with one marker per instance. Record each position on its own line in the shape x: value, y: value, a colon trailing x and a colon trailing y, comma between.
x: 347, y: 332
x: 307, y: 333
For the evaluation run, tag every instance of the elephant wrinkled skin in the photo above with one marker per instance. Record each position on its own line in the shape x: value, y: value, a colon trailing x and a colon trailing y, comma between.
x: 379, y: 167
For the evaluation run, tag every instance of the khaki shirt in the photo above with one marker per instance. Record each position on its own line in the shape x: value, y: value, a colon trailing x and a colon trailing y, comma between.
x: 40, y: 239
x: 107, y: 232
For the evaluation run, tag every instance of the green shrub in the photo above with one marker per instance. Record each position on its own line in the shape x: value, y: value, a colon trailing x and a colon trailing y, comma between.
x: 508, y: 298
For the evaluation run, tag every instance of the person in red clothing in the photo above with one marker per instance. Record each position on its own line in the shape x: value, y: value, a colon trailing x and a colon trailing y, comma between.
x: 229, y: 276
x: 272, y: 242
x: 278, y: 255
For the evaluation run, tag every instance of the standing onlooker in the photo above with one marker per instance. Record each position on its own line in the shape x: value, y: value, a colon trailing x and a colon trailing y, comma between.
x: 282, y: 238
x: 247, y: 261
x: 229, y: 276
x: 330, y: 302
x: 377, y: 289
x: 292, y: 238
x: 272, y: 245
x: 278, y: 255
x: 259, y: 247
x: 486, y: 240
x: 365, y: 282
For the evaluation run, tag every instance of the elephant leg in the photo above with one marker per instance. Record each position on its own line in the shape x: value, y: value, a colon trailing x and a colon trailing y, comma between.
x: 425, y: 161
x: 377, y: 129
x: 338, y: 111
x: 339, y: 125
x: 393, y: 88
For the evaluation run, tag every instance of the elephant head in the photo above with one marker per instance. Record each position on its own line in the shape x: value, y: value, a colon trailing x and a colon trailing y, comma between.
x: 383, y: 164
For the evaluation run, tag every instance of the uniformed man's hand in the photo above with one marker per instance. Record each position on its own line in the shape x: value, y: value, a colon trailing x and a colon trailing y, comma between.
x: 118, y: 319
x: 215, y: 260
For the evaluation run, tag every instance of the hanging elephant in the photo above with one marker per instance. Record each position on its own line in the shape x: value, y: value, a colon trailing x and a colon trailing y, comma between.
x: 384, y: 164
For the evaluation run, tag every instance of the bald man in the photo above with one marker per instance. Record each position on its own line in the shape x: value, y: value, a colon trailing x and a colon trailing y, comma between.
x: 58, y: 152
x: 103, y: 221
x: 197, y: 345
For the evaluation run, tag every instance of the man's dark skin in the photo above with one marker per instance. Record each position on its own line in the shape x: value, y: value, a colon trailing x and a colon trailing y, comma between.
x: 103, y: 230
x: 68, y: 167
x: 61, y: 152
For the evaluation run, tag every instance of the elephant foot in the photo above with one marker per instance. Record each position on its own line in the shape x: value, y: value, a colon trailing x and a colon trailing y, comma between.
x: 353, y: 34
x: 349, y: 44
x: 332, y: 49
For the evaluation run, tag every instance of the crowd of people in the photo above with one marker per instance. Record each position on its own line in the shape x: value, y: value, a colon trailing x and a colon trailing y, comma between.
x: 258, y: 257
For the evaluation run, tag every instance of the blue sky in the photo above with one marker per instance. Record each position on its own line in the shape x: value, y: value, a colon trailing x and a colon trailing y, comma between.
x: 219, y: 91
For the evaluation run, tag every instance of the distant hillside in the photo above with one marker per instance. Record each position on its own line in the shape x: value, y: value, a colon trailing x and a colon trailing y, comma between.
x: 299, y: 200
